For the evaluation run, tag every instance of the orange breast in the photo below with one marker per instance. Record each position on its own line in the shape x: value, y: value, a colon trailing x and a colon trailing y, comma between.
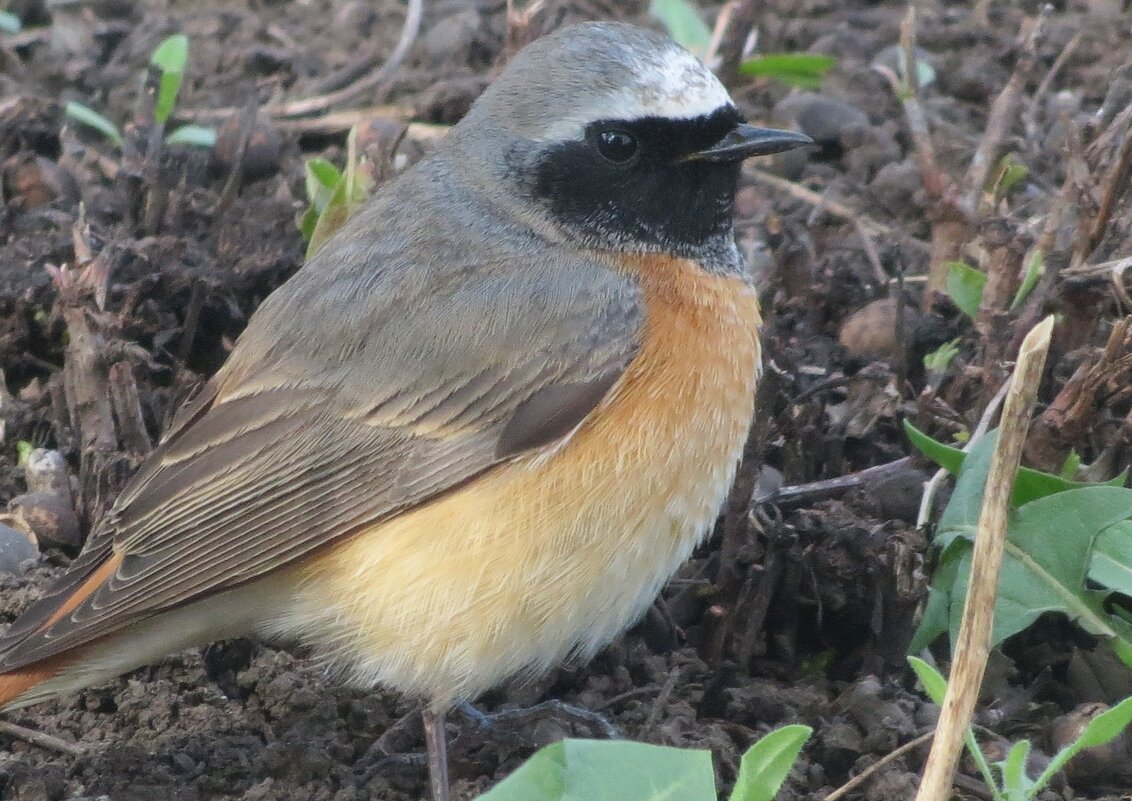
x: 561, y: 551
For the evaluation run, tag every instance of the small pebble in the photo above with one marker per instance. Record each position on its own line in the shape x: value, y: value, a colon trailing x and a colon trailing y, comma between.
x: 16, y: 549
x: 265, y: 147
x: 49, y: 517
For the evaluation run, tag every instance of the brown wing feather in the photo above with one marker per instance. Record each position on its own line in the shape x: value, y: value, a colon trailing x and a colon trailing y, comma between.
x: 283, y: 454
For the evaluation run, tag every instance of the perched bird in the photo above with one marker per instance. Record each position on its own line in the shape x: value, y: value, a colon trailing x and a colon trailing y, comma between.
x: 479, y: 429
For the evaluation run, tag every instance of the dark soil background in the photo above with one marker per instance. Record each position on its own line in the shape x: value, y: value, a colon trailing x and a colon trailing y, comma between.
x: 124, y: 279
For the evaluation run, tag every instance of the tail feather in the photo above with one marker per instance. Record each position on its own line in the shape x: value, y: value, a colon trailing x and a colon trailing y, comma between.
x: 22, y: 678
x: 18, y: 682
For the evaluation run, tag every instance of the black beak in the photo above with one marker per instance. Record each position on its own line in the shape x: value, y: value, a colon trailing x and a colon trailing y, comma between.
x: 746, y: 141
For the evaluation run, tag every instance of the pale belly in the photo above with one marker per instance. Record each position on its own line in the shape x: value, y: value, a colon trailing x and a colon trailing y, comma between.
x: 558, y: 552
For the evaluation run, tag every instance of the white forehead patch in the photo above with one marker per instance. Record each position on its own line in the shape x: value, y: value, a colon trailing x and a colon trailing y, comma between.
x: 673, y: 84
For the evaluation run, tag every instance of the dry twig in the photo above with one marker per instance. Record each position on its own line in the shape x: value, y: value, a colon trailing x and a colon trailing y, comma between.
x: 319, y: 103
x: 972, y: 647
x: 864, y: 775
x: 42, y: 740
x: 1001, y: 118
x: 865, y: 223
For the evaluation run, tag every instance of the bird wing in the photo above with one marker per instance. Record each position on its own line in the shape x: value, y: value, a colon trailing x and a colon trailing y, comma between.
x: 362, y: 388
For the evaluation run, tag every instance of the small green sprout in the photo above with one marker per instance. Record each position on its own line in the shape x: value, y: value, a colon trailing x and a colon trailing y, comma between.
x: 23, y: 451
x: 1034, y: 269
x: 803, y: 70
x: 965, y: 286
x: 1007, y: 175
x: 940, y: 359
x: 333, y: 195
x: 685, y: 23
x: 169, y: 59
x: 1012, y: 782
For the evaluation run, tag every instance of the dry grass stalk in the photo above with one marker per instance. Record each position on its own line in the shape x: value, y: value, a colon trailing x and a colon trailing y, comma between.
x: 973, y: 644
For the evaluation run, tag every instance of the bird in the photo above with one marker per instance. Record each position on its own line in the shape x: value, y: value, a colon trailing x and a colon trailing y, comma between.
x: 476, y: 432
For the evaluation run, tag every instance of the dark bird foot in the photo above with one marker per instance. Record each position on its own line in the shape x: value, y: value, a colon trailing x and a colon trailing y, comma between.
x: 511, y: 721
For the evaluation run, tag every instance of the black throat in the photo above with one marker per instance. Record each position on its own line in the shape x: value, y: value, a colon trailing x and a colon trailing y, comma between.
x: 660, y: 201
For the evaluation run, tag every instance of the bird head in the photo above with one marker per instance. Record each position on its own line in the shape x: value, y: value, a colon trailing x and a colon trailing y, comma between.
x: 616, y: 137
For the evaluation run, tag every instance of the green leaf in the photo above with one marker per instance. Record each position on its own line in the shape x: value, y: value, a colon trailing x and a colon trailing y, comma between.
x: 1015, y: 782
x: 936, y: 619
x: 604, y: 770
x: 1009, y: 171
x: 351, y: 189
x: 767, y: 763
x: 940, y: 359
x: 195, y: 135
x: 1111, y: 564
x: 23, y: 451
x: 1070, y: 466
x: 92, y: 119
x: 947, y: 457
x: 1048, y: 547
x: 965, y: 286
x: 9, y: 22
x: 169, y: 58
x: 1101, y: 730
x: 1028, y: 486
x: 935, y: 685
x: 804, y: 70
x: 1034, y: 269
x: 321, y: 177
x: 683, y: 22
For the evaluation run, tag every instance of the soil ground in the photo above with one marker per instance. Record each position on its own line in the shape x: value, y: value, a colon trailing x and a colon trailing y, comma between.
x: 796, y: 610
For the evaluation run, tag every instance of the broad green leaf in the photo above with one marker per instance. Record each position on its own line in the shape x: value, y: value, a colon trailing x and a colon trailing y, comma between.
x: 1015, y: 782
x: 767, y: 763
x: 1111, y: 565
x: 608, y: 770
x: 9, y: 22
x: 1034, y: 269
x: 682, y: 20
x: 1028, y: 486
x: 804, y: 70
x: 963, y: 509
x: 195, y: 135
x: 936, y: 619
x: 92, y: 119
x: 965, y: 286
x: 169, y: 58
x: 1046, y: 557
x: 1101, y: 730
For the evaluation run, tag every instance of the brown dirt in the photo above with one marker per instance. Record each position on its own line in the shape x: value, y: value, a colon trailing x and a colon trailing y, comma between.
x: 799, y: 612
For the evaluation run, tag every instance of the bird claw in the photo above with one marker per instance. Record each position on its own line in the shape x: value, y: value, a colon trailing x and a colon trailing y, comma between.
x: 547, y: 710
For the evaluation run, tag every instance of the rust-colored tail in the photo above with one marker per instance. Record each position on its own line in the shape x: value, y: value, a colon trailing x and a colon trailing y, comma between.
x: 18, y: 682
x: 14, y: 683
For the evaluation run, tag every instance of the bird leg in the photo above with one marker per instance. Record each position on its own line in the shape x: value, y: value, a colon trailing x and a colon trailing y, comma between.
x: 437, y: 744
x: 547, y: 709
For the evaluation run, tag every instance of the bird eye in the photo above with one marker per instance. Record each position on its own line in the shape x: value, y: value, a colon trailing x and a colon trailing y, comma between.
x: 616, y: 145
